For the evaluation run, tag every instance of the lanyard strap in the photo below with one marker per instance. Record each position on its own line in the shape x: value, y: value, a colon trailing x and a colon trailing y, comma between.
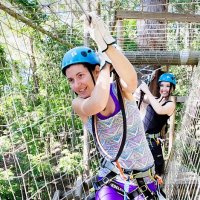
x: 94, y: 126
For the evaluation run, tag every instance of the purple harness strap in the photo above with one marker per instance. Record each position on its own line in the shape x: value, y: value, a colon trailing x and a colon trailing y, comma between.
x: 108, y: 193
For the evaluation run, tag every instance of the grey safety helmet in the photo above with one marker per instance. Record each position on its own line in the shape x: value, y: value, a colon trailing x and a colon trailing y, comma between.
x: 82, y: 55
x: 168, y: 77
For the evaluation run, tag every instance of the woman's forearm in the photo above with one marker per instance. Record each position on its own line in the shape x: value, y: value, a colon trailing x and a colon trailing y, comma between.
x: 124, y: 68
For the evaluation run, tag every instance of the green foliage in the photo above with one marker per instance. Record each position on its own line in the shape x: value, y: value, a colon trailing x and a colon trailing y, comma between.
x: 118, y: 4
x: 70, y: 163
x: 37, y: 116
x: 5, y: 190
x: 31, y: 9
x: 183, y: 76
x: 129, y: 35
x: 5, y: 144
x: 5, y: 77
x: 185, y: 5
x: 4, y: 69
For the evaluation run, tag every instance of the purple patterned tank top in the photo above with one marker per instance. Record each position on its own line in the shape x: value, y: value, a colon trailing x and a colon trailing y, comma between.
x: 136, y: 153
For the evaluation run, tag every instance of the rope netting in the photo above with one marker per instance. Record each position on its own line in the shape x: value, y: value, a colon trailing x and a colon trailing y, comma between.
x: 43, y: 145
x: 182, y: 181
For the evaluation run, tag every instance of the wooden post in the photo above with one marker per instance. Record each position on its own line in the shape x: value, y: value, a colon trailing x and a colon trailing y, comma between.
x: 78, y: 189
x: 171, y: 131
x: 86, y: 150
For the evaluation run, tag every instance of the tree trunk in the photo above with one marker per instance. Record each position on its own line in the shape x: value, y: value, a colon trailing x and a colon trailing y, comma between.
x: 152, y: 33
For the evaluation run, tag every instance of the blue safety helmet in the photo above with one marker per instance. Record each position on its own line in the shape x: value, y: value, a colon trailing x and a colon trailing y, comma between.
x: 168, y: 77
x: 77, y: 55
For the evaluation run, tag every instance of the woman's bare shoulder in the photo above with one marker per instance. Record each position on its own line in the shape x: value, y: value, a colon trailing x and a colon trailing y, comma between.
x: 76, y: 105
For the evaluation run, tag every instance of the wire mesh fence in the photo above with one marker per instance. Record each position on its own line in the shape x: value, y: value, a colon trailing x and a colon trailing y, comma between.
x: 182, y: 181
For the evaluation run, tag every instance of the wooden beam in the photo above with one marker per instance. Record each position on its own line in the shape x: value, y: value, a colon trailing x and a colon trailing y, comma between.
x: 163, y: 57
x: 127, y: 14
x: 181, y: 99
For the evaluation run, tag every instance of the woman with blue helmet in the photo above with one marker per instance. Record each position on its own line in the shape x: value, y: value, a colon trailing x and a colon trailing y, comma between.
x: 99, y: 107
x: 158, y: 111
x: 81, y: 55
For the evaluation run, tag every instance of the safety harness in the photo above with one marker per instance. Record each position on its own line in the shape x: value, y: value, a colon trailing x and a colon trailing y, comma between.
x: 147, y: 81
x: 116, y: 169
x: 155, y: 137
x: 130, y: 175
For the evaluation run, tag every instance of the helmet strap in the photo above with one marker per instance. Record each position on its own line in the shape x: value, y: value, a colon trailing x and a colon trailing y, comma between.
x: 171, y: 88
x: 161, y: 99
x: 91, y: 75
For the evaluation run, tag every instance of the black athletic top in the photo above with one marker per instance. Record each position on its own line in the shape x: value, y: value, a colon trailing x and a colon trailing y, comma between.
x: 154, y: 122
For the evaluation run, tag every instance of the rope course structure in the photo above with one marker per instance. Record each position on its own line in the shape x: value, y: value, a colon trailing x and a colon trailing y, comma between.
x: 183, y: 176
x: 45, y: 151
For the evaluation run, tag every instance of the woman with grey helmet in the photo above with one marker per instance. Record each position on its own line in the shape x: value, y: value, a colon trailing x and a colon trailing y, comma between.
x: 157, y: 113
x: 110, y: 114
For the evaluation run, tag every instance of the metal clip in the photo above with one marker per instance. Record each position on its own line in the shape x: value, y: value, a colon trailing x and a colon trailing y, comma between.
x: 106, y: 180
x: 141, y: 188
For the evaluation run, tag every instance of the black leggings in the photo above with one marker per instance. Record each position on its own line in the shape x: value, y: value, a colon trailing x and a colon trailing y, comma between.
x: 157, y: 155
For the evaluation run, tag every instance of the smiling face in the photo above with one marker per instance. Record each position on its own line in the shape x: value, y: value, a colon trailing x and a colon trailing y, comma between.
x: 80, y: 80
x: 165, y: 89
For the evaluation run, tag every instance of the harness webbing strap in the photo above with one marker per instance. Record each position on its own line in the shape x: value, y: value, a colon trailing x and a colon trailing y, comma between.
x: 127, y: 172
x: 144, y: 189
x: 141, y: 99
x: 131, y: 195
x: 120, y: 170
x: 154, y: 135
x: 119, y: 94
x: 94, y: 126
x: 120, y: 190
x: 104, y: 181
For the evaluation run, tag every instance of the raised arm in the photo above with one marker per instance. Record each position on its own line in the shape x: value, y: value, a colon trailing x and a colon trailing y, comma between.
x: 137, y: 95
x: 98, y: 99
x: 167, y: 109
x: 101, y: 35
x: 124, y: 69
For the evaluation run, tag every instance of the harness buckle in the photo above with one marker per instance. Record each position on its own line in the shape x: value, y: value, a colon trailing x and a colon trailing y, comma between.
x: 143, y: 190
x: 98, y: 185
x: 146, y: 191
x: 133, y: 175
x: 140, y: 174
x: 105, y: 180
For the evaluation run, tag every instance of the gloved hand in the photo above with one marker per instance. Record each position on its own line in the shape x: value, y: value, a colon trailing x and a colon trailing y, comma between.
x: 144, y: 87
x: 98, y: 31
x: 104, y: 59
